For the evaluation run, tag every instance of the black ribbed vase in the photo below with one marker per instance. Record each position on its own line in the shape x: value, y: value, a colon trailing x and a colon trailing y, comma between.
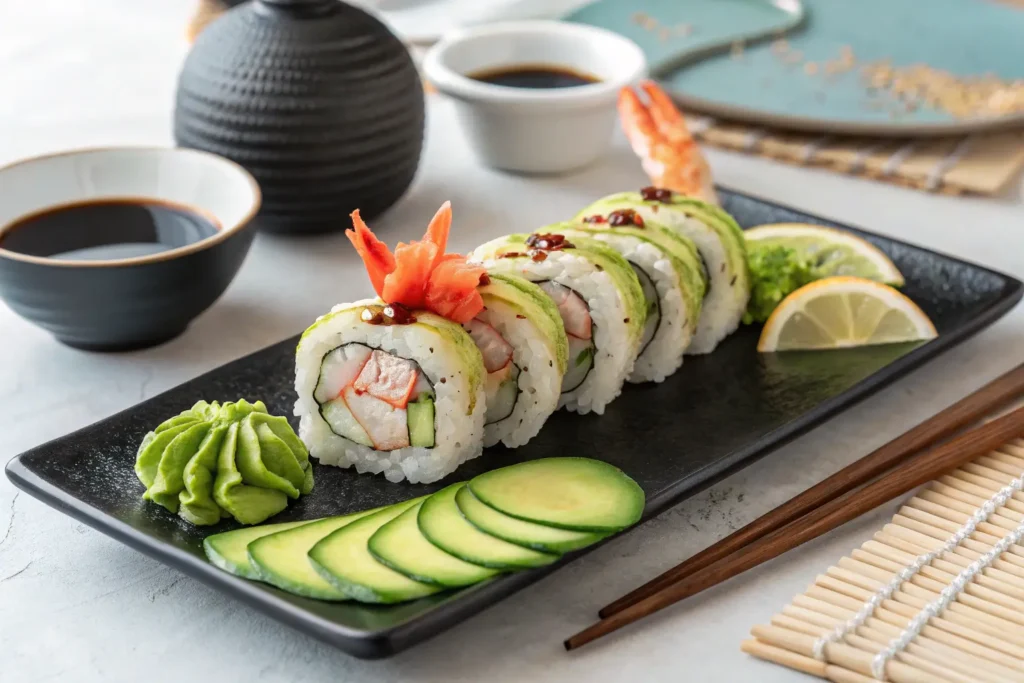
x: 316, y: 98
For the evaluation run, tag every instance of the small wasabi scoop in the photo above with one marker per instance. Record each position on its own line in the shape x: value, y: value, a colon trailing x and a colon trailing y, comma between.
x: 224, y: 460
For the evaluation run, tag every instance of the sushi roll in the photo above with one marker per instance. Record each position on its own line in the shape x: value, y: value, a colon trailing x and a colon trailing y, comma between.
x: 395, y: 385
x: 720, y: 245
x: 525, y: 352
x: 671, y: 278
x: 399, y: 396
x: 598, y: 298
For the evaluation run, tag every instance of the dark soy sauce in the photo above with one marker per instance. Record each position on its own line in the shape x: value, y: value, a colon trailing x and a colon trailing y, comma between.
x: 107, y: 229
x: 535, y: 76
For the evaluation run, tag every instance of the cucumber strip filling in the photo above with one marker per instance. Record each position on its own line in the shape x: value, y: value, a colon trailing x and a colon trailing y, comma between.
x: 707, y: 275
x: 653, y: 320
x: 502, y: 389
x: 501, y: 386
x: 579, y: 328
x: 581, y: 360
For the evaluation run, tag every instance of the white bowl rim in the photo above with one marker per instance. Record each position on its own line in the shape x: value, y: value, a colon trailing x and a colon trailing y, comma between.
x: 222, y: 234
x: 449, y: 81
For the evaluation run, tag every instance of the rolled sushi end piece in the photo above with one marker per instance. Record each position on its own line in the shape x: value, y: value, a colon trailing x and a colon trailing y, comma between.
x: 395, y: 385
x: 525, y: 352
x: 599, y: 300
x: 673, y: 283
x: 405, y: 400
x: 720, y: 245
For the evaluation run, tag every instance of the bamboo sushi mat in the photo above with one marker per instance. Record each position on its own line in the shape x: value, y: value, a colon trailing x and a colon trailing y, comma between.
x: 983, y: 163
x: 937, y: 595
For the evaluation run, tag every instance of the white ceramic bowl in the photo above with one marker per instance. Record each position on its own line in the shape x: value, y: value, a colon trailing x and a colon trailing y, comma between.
x: 535, y: 130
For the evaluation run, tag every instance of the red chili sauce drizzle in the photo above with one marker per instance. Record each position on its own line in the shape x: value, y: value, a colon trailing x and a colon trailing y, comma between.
x: 623, y: 217
x: 391, y: 314
x: 540, y: 244
x: 548, y: 242
x: 596, y: 218
x: 656, y: 194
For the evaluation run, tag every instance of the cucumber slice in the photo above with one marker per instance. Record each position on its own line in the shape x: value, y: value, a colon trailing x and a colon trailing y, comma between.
x: 443, y: 525
x: 501, y: 394
x: 341, y: 421
x: 280, y: 559
x: 338, y: 368
x: 581, y: 360
x: 344, y: 560
x: 420, y: 416
x: 229, y: 550
x: 567, y: 493
x: 527, y: 534
x: 653, y: 304
x: 400, y: 545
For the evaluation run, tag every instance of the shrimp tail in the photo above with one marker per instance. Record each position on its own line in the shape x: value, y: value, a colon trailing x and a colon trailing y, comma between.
x: 636, y: 123
x: 658, y: 134
x: 667, y: 119
x: 377, y: 258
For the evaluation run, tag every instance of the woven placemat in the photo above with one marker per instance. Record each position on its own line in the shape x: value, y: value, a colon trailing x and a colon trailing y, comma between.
x: 983, y: 163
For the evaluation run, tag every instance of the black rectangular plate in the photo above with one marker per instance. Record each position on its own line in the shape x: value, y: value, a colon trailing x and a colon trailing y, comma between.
x: 715, y: 415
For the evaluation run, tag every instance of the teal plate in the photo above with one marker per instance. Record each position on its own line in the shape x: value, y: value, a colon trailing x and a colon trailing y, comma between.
x: 757, y: 85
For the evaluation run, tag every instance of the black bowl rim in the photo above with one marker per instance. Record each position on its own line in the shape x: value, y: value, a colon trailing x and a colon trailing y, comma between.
x: 223, y: 233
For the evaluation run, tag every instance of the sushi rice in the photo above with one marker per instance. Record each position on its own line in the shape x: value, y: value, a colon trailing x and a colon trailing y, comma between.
x: 525, y: 325
x: 673, y: 283
x: 527, y: 321
x: 607, y: 285
x: 719, y: 241
x: 449, y: 361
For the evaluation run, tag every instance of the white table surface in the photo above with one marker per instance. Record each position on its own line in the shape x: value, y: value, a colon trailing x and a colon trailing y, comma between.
x: 78, y: 606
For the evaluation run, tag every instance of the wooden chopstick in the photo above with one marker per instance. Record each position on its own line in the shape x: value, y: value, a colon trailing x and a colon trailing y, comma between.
x: 907, y: 476
x: 961, y: 414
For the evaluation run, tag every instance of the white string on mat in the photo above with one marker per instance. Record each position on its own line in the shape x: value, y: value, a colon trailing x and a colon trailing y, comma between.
x: 857, y: 165
x: 947, y: 162
x: 753, y: 137
x: 811, y: 149
x: 907, y: 573
x: 699, y: 124
x: 893, y: 163
x: 948, y: 595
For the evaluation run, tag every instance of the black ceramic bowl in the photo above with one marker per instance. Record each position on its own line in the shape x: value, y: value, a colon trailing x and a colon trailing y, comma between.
x: 120, y: 248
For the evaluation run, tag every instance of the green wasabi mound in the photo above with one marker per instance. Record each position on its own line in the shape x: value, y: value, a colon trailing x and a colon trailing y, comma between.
x: 224, y: 460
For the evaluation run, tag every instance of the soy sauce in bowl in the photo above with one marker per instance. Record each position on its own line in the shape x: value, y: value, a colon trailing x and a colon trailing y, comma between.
x: 534, y: 76
x: 107, y: 229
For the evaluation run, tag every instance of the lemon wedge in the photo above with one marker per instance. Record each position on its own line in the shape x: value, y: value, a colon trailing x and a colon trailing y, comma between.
x: 840, y: 312
x: 831, y: 251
